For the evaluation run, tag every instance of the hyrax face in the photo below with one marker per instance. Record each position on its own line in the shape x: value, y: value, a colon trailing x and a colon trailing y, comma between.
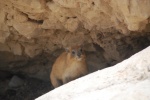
x: 76, y: 52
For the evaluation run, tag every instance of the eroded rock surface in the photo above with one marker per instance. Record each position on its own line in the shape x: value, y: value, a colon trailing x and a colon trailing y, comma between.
x: 31, y: 26
x: 112, y: 29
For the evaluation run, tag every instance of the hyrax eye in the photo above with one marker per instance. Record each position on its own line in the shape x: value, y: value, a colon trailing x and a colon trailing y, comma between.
x: 73, y: 52
x: 81, y: 50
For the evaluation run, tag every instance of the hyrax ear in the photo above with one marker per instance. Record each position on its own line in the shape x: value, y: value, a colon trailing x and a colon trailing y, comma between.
x: 67, y: 49
x: 80, y: 45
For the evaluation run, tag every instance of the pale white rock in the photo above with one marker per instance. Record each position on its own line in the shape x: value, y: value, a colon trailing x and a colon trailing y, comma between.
x: 133, y: 16
x: 128, y: 80
x: 3, y: 35
x: 19, y: 17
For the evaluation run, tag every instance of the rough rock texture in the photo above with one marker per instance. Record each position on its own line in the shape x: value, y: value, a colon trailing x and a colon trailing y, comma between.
x: 112, y: 29
x: 31, y: 26
x: 128, y: 80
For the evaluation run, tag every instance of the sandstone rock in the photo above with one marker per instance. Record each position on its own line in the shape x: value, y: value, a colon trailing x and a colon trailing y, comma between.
x: 15, y: 82
x: 129, y: 79
x: 4, y: 47
x: 27, y: 29
x: 32, y: 50
x: 51, y: 23
x: 72, y: 25
x: 4, y: 30
x: 61, y: 22
x: 15, y: 48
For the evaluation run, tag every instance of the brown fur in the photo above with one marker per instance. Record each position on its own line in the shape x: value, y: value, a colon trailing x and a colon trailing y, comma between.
x: 69, y: 66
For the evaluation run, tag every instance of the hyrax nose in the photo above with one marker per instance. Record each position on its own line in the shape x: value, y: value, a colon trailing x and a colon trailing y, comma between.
x: 79, y: 54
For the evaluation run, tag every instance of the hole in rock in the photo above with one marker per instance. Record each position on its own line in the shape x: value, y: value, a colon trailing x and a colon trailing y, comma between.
x: 93, y: 3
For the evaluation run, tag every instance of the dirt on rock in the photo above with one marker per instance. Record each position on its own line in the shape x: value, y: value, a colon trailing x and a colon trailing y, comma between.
x: 31, y: 89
